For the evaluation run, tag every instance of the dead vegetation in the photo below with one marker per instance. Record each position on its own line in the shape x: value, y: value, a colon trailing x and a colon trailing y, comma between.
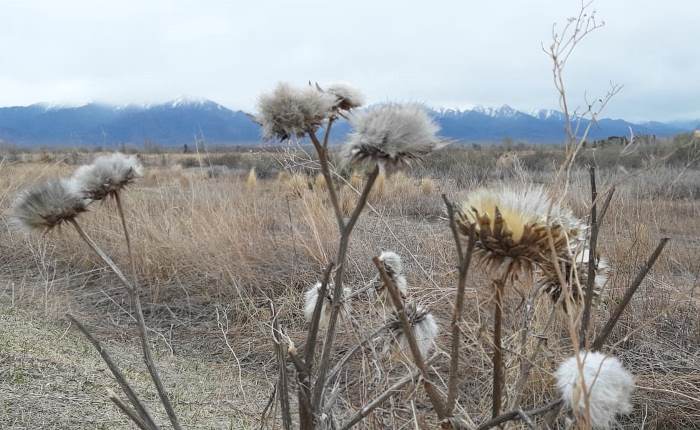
x: 209, y: 247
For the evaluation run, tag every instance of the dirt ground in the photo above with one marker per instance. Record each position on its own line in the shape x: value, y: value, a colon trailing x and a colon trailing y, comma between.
x: 52, y: 378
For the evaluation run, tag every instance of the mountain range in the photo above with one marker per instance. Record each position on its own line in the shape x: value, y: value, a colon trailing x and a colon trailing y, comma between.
x: 181, y: 121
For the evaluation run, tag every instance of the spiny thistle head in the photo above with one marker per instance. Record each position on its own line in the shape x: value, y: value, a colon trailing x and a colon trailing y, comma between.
x: 548, y: 278
x: 311, y: 297
x: 48, y: 205
x: 347, y: 96
x: 513, y: 224
x: 423, y: 325
x: 289, y: 111
x: 608, y: 384
x: 392, y: 134
x: 107, y: 175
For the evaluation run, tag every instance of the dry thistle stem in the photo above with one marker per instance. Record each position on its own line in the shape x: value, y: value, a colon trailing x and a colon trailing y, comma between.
x: 511, y: 224
x: 48, y: 205
x: 107, y: 175
x: 423, y: 325
x: 392, y: 134
x: 608, y: 386
x: 310, y: 298
x: 288, y: 111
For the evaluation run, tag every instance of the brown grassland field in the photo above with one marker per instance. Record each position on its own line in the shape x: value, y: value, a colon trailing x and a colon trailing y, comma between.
x: 218, y: 234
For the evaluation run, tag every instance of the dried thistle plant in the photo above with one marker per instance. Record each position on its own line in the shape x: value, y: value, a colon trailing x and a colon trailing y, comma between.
x: 53, y: 203
x: 311, y: 296
x: 423, y: 326
x: 512, y: 227
x: 291, y: 112
x: 392, y: 134
x: 596, y: 385
x: 48, y: 205
x: 347, y: 96
x: 394, y: 268
x: 107, y: 175
x: 575, y: 274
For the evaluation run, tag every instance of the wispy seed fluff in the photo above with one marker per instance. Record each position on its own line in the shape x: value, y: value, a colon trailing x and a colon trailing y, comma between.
x: 107, y: 175
x: 394, y: 268
x: 423, y: 325
x: 347, y: 96
x: 311, y: 297
x: 392, y: 134
x: 47, y: 205
x: 288, y: 111
x: 512, y: 224
x: 608, y: 384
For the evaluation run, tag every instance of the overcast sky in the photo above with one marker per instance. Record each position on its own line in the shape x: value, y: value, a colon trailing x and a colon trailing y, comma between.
x: 443, y: 53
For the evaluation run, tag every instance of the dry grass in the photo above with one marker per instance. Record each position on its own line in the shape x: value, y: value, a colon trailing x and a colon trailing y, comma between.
x: 208, y: 243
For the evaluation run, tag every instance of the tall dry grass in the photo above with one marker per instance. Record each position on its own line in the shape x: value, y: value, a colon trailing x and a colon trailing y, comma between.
x: 203, y: 241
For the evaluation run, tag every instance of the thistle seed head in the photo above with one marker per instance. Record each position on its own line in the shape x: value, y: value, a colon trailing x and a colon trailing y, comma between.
x: 107, y: 175
x: 288, y: 111
x: 311, y: 297
x: 608, y: 384
x: 512, y: 224
x: 423, y: 325
x: 392, y: 134
x: 347, y: 96
x: 548, y: 279
x: 48, y: 205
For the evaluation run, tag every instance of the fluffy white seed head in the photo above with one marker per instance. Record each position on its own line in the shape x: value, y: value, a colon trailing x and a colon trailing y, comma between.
x: 289, y: 111
x: 392, y: 134
x: 47, y: 205
x: 608, y: 384
x: 392, y: 262
x: 347, y: 96
x: 107, y: 175
x: 394, y: 268
x: 424, y: 328
x: 311, y: 297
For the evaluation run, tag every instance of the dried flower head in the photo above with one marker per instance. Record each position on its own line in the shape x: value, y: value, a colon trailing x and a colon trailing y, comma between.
x: 107, y: 175
x: 608, y: 384
x: 392, y: 134
x: 48, y: 205
x: 394, y: 268
x: 512, y: 224
x: 347, y: 96
x: 289, y: 111
x: 548, y: 278
x: 311, y: 297
x: 423, y: 325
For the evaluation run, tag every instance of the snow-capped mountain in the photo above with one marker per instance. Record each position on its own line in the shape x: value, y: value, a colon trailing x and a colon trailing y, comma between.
x: 178, y: 121
x: 175, y: 122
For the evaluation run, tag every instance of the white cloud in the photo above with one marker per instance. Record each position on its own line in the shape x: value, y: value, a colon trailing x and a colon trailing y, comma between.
x: 444, y: 53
